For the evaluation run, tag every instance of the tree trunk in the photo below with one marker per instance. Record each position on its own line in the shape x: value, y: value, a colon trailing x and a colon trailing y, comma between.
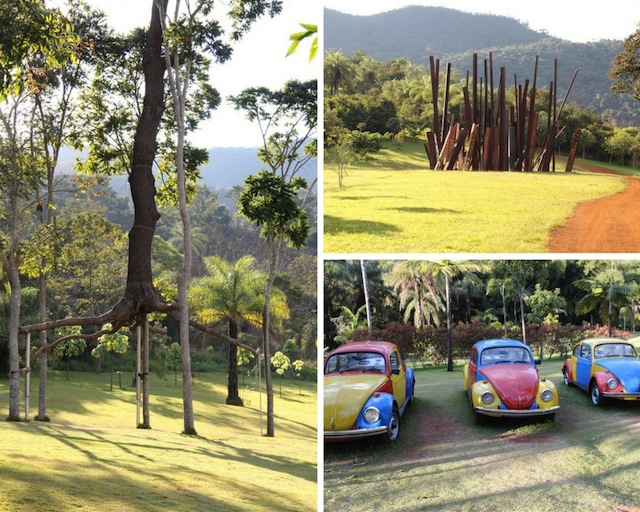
x: 449, y: 338
x: 522, y: 321
x: 44, y: 359
x: 273, y: 251
x: 14, y: 317
x: 140, y: 292
x: 233, y: 397
x: 365, y: 286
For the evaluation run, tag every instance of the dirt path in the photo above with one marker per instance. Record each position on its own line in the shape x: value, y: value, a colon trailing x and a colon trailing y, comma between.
x: 607, y: 225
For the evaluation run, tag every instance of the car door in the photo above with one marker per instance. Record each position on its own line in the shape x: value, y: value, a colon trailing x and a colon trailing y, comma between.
x: 583, y: 366
x: 473, y: 366
x: 398, y: 377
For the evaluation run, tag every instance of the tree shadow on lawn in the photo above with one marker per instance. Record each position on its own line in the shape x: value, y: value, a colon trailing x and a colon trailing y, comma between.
x: 335, y: 225
x: 423, y: 209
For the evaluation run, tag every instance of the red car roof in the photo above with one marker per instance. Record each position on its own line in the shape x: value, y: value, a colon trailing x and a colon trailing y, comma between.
x: 379, y: 346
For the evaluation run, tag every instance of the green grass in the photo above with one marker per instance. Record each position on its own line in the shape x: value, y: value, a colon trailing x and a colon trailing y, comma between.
x: 91, y: 456
x: 588, y: 459
x: 393, y: 204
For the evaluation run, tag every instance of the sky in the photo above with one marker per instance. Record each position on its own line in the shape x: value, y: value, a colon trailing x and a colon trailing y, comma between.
x: 258, y: 61
x: 575, y: 20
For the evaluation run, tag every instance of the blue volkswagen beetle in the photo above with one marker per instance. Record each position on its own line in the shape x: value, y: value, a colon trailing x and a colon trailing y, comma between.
x: 605, y: 368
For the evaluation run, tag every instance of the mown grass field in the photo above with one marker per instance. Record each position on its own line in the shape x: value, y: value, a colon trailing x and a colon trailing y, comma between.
x: 588, y: 459
x: 91, y: 457
x: 392, y: 203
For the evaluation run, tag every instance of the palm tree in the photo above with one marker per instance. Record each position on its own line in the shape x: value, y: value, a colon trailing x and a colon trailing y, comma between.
x: 234, y: 293
x: 606, y: 292
x: 417, y: 294
x: 337, y: 67
x: 443, y: 272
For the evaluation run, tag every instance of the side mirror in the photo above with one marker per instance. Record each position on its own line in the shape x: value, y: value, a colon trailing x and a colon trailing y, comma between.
x: 395, y: 371
x: 537, y: 361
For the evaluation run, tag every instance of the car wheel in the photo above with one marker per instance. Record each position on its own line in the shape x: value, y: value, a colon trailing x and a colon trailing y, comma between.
x: 413, y: 392
x: 394, y: 425
x: 596, y: 396
x: 480, y: 419
x: 565, y: 374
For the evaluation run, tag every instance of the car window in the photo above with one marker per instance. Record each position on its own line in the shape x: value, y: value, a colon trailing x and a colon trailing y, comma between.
x: 394, y: 361
x: 499, y: 355
x: 614, y: 350
x: 576, y: 350
x: 585, y: 351
x: 355, y: 361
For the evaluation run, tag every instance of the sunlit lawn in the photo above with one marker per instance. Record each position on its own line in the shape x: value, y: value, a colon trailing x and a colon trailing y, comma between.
x: 91, y: 456
x: 393, y: 204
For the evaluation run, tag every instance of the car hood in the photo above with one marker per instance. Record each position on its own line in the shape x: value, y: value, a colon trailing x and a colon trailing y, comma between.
x: 344, y: 396
x: 626, y: 369
x: 516, y: 384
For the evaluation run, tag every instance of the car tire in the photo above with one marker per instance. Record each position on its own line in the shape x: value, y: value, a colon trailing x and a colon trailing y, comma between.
x: 413, y: 392
x: 596, y: 396
x: 479, y: 419
x: 565, y: 374
x: 394, y: 425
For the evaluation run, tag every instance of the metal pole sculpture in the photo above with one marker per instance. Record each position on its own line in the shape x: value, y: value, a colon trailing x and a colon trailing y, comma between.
x: 490, y: 136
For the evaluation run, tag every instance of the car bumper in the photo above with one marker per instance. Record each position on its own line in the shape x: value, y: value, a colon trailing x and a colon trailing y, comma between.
x: 622, y: 396
x: 345, y: 435
x: 517, y: 413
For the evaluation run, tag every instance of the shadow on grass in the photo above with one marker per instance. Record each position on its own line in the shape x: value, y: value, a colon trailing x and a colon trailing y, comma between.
x: 334, y: 224
x: 133, y: 475
x: 423, y: 209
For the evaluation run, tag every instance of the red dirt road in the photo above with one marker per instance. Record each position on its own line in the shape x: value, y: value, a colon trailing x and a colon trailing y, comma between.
x: 607, y: 225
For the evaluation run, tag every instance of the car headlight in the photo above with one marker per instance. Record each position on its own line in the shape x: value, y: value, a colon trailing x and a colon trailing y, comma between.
x: 612, y: 383
x: 547, y: 395
x: 487, y: 397
x: 371, y: 415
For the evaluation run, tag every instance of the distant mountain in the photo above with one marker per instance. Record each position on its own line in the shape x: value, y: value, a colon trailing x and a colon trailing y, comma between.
x: 416, y: 33
x: 230, y: 166
x: 226, y: 167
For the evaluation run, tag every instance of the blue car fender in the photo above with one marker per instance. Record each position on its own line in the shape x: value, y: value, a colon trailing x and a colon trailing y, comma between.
x: 410, y: 384
x: 384, y: 403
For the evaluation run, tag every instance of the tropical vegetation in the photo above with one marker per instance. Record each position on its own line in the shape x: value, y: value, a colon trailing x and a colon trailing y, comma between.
x: 435, y: 310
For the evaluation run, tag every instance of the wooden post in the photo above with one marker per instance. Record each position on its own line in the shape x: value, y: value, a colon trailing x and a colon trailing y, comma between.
x: 27, y: 378
x: 138, y: 371
x: 574, y: 149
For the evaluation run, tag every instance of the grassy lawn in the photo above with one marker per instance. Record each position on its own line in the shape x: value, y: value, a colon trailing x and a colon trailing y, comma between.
x: 91, y: 456
x: 588, y: 459
x: 392, y: 204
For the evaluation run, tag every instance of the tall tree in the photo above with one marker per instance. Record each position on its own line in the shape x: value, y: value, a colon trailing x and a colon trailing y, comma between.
x: 443, y: 272
x: 140, y: 296
x: 20, y: 177
x: 287, y: 120
x: 625, y: 68
x: 418, y: 296
x: 605, y: 292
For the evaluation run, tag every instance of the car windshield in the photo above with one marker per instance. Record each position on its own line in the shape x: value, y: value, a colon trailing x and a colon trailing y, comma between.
x: 355, y: 361
x: 614, y: 350
x: 499, y: 355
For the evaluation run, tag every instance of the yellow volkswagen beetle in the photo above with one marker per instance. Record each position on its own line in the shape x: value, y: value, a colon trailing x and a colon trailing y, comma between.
x: 367, y: 387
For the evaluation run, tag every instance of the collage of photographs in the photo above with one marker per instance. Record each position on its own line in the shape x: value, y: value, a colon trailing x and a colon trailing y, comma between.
x: 319, y: 255
x: 481, y: 256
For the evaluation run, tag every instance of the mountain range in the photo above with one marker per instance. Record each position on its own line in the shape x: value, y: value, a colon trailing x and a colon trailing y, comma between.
x: 227, y: 167
x: 418, y: 32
